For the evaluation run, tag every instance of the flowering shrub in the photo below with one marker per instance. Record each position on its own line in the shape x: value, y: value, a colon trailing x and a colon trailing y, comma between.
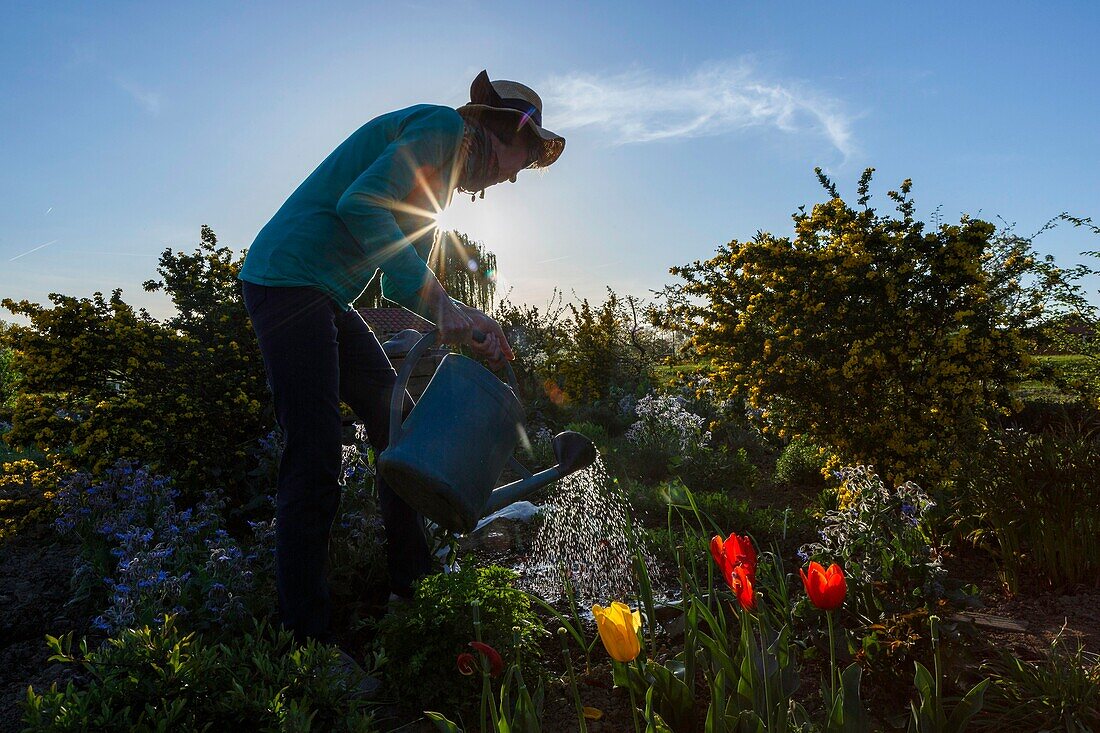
x: 101, y: 381
x: 27, y: 487
x: 865, y: 332
x: 153, y: 557
x: 664, y: 424
x: 878, y: 537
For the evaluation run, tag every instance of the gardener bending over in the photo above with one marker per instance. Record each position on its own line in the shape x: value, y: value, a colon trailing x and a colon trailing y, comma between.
x: 369, y: 206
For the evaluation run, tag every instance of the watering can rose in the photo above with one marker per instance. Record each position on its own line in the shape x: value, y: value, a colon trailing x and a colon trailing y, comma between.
x: 618, y: 627
x: 826, y: 588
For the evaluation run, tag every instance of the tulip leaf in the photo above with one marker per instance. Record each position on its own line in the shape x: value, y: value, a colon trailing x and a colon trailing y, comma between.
x: 672, y: 699
x: 855, y: 718
x: 441, y: 723
x: 968, y: 707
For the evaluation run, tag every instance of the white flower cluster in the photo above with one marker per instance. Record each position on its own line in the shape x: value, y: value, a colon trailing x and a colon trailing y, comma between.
x: 663, y: 420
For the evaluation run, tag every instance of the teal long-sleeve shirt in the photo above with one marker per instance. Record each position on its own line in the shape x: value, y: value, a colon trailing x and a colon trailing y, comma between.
x: 351, y: 216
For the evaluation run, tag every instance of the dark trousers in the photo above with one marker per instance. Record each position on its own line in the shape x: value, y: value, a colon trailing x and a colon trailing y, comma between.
x: 317, y: 355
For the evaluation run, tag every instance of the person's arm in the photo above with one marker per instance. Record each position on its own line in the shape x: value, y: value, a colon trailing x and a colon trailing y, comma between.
x: 367, y: 210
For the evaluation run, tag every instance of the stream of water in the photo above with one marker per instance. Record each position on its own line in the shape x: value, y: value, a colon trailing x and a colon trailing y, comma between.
x: 584, y: 541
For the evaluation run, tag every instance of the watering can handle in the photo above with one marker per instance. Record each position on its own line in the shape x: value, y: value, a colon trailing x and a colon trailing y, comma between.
x: 397, y: 401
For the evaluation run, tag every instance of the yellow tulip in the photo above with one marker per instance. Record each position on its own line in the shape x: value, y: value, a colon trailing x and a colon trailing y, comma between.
x: 619, y: 627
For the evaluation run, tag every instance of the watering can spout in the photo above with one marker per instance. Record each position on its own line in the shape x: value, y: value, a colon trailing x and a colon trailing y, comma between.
x: 573, y: 452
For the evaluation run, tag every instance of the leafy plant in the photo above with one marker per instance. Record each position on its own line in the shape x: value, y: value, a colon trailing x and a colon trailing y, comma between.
x: 1059, y: 692
x: 1034, y: 501
x: 428, y: 633
x: 159, y: 678
x: 929, y: 714
x: 800, y: 464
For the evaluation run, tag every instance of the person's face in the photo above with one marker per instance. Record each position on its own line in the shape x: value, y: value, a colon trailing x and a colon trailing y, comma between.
x: 512, y: 156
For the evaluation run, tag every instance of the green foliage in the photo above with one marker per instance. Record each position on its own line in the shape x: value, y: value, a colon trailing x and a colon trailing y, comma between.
x: 930, y: 713
x: 1034, y: 501
x: 574, y: 361
x: 1060, y: 692
x: 163, y: 679
x: 593, y: 431
x: 8, y: 376
x: 101, y: 381
x: 864, y: 331
x: 800, y: 464
x: 428, y: 633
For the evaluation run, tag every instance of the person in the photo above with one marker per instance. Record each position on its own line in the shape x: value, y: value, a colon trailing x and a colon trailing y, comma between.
x: 369, y: 207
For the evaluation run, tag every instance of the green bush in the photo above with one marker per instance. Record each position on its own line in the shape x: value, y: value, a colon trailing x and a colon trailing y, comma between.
x: 574, y: 361
x: 1034, y: 502
x: 162, y: 679
x: 706, y: 469
x: 866, y: 331
x: 8, y: 377
x: 427, y: 635
x: 595, y: 432
x: 800, y: 464
x: 1053, y: 412
x: 102, y: 381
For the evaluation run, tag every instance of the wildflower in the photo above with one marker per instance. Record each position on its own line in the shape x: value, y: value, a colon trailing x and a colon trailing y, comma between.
x: 618, y: 627
x: 826, y: 588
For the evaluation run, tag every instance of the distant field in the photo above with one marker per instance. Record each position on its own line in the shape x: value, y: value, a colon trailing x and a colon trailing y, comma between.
x: 1070, y: 366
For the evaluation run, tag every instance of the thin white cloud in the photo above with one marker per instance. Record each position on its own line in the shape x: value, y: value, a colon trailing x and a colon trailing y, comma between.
x: 34, y: 249
x: 638, y: 107
x: 147, y: 99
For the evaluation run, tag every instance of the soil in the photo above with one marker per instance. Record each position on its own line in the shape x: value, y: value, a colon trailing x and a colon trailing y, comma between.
x: 35, y: 569
x: 1072, y: 613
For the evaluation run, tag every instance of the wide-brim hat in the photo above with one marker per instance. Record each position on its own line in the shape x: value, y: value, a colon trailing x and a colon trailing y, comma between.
x: 519, y: 102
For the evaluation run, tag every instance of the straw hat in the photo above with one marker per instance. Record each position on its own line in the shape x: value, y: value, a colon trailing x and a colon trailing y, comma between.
x: 519, y: 102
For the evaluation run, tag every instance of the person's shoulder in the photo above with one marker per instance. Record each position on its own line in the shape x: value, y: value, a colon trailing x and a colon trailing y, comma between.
x: 434, y: 115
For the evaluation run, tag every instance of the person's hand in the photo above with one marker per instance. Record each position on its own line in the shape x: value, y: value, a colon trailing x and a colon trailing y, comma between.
x: 495, y: 349
x: 451, y: 320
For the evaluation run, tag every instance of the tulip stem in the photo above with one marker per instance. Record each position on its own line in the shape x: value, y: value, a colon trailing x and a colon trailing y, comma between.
x: 633, y: 707
x: 832, y: 661
x: 572, y: 679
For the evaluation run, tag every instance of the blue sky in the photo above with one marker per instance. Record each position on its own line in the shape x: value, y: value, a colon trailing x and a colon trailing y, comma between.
x: 126, y: 126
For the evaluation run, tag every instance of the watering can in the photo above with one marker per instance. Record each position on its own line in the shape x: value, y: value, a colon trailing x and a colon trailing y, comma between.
x: 448, y: 455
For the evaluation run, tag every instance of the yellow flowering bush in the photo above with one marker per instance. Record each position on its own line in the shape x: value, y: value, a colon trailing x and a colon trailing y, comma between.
x: 868, y: 333
x: 26, y: 488
x: 100, y: 381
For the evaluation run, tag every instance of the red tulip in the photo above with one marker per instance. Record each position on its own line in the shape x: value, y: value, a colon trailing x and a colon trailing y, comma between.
x: 742, y: 587
x: 826, y: 588
x: 466, y: 663
x: 496, y: 664
x: 732, y: 553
